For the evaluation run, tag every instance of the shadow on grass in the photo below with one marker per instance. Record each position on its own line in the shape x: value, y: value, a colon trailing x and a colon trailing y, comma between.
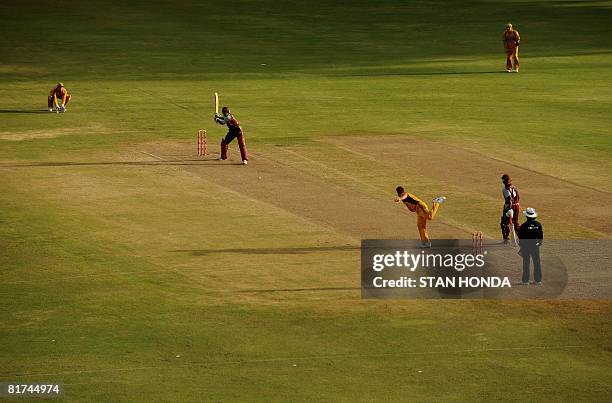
x: 24, y: 111
x: 434, y: 73
x: 269, y: 251
x: 301, y: 289
x: 203, y: 163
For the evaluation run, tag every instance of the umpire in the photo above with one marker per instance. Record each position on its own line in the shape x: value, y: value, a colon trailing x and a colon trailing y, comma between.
x: 531, y: 237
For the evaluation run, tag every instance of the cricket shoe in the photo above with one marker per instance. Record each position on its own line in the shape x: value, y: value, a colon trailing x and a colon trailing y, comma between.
x: 51, y: 110
x: 62, y: 109
x: 439, y: 199
x: 508, y: 71
x: 244, y: 162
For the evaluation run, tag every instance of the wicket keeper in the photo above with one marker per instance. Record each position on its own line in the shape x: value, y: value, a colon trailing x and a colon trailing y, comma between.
x: 235, y: 131
x: 512, y: 40
x: 59, y: 92
x: 510, y: 212
x: 423, y: 212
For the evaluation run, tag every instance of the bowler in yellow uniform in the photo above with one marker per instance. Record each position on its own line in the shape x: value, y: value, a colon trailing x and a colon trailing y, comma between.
x: 424, y: 213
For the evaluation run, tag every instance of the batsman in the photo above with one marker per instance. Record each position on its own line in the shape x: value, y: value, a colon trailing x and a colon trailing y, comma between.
x: 509, y: 218
x: 235, y: 131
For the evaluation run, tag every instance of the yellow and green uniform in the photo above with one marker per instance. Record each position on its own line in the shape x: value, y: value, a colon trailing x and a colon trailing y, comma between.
x: 512, y: 39
x: 423, y: 212
x: 58, y: 93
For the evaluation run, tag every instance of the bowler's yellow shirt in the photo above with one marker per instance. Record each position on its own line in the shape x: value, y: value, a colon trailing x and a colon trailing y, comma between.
x: 411, y: 201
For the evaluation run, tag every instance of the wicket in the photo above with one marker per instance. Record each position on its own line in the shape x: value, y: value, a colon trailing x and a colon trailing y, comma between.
x: 477, y: 241
x: 202, y: 149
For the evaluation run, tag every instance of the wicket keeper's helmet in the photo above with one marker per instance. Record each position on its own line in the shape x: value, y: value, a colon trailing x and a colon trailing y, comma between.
x: 60, y: 84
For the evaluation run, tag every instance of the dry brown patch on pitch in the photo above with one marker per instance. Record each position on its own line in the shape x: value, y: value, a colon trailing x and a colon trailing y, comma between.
x: 347, y: 182
x: 272, y: 179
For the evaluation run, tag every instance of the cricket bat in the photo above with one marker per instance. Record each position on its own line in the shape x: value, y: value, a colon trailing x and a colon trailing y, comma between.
x: 216, y: 103
x: 513, y: 235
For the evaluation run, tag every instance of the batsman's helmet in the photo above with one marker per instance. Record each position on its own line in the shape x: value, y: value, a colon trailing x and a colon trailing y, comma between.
x: 225, y: 110
x: 506, y: 178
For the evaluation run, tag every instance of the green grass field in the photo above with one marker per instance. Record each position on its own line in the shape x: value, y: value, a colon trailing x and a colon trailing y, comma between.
x: 134, y: 271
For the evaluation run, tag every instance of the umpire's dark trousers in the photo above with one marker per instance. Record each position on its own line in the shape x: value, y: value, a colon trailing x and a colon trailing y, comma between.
x: 531, y: 252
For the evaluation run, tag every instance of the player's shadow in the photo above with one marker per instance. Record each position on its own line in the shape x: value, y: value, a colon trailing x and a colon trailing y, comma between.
x: 269, y: 251
x: 202, y: 163
x: 24, y: 111
x: 416, y: 73
x: 271, y: 290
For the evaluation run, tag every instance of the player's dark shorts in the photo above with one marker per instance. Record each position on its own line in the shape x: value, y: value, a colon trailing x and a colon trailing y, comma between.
x: 231, y: 135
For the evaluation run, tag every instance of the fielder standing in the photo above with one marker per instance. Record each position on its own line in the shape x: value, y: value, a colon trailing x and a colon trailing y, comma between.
x: 512, y: 40
x: 226, y: 118
x: 510, y: 212
x: 423, y: 212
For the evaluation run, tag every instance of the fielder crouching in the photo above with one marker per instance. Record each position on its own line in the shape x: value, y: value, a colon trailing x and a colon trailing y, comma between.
x: 234, y: 131
x: 59, y: 92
